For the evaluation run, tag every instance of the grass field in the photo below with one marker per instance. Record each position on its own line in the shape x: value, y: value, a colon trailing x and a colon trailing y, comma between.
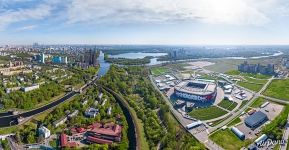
x: 228, y: 140
x: 158, y: 71
x: 220, y: 121
x: 224, y: 65
x: 244, y: 102
x: 234, y: 122
x: 252, y: 75
x: 258, y: 102
x: 259, y: 81
x: 207, y: 113
x: 226, y: 104
x: 233, y: 72
x: 278, y: 89
x: 251, y: 86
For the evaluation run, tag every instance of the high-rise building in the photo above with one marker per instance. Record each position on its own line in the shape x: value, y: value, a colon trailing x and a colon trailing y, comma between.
x: 90, y: 57
x: 56, y: 59
x: 42, y: 58
x: 257, y: 68
x: 64, y: 60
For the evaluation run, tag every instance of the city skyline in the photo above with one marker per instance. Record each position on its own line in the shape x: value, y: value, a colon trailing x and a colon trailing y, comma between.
x: 189, y: 22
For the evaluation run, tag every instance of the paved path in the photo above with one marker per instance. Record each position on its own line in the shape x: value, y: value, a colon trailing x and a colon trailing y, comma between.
x: 234, y: 115
x: 275, y: 99
x: 13, y: 144
x: 285, y: 135
x: 202, y: 136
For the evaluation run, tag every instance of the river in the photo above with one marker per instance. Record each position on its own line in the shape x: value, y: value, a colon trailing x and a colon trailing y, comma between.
x: 104, y: 66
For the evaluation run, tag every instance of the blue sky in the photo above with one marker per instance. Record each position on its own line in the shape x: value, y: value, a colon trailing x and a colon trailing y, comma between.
x: 193, y: 22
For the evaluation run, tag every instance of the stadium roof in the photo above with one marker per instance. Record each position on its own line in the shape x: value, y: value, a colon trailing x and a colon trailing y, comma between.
x: 208, y: 88
x: 256, y: 119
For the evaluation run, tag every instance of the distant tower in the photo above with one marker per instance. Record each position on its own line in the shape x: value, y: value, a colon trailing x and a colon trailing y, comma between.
x: 65, y: 60
x: 42, y: 58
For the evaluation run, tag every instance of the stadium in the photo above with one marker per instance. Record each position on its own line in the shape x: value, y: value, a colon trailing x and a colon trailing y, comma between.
x: 198, y: 90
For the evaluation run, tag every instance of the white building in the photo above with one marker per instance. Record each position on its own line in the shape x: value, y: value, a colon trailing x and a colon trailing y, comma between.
x: 104, y: 101
x: 84, y: 102
x: 100, y: 96
x: 73, y: 114
x: 91, y: 112
x: 30, y: 88
x: 60, y: 121
x: 44, y: 131
x: 109, y: 111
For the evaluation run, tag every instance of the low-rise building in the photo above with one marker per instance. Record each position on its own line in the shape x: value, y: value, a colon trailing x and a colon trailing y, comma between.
x: 59, y: 122
x: 30, y: 88
x: 73, y: 114
x: 256, y: 119
x: 109, y: 111
x: 84, y: 102
x: 44, y: 131
x: 104, y: 133
x: 100, y: 96
x: 91, y: 112
x: 64, y: 142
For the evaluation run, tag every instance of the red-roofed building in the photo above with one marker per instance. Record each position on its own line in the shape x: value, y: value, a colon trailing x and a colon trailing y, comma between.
x: 77, y: 130
x: 98, y: 140
x: 64, y: 142
x: 109, y: 131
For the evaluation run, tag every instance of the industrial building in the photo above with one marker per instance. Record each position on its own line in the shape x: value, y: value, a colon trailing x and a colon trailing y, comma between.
x: 194, y: 124
x: 261, y: 139
x: 238, y: 133
x: 256, y: 119
x: 198, y: 90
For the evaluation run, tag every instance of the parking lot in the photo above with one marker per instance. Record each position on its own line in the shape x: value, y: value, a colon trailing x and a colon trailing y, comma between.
x: 272, y: 110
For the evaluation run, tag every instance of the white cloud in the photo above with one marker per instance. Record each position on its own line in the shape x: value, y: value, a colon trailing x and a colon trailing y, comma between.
x: 237, y: 12
x: 30, y: 27
x: 8, y: 17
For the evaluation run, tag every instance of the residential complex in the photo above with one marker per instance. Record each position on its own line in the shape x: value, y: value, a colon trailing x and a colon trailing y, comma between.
x: 257, y: 68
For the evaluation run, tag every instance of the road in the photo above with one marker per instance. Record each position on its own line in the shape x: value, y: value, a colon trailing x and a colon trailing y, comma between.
x: 6, y: 121
x: 234, y: 115
x: 13, y: 144
x: 183, y: 121
x: 285, y: 135
x: 204, y: 135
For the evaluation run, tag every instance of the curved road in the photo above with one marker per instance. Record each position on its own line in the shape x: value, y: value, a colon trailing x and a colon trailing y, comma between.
x: 7, y: 119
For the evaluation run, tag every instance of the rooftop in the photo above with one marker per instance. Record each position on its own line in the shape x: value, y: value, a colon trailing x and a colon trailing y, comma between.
x: 196, y: 87
x: 110, y: 129
x: 256, y: 119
